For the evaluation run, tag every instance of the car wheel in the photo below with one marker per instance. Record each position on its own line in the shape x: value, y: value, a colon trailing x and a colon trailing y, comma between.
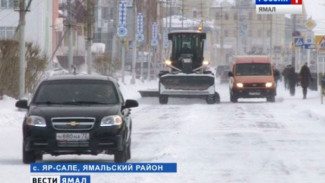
x: 163, y: 99
x: 124, y: 155
x: 211, y: 99
x: 233, y: 98
x: 28, y: 156
x: 270, y: 99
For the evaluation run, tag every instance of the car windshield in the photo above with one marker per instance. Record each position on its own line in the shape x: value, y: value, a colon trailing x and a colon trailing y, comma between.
x: 76, y: 92
x: 253, y: 69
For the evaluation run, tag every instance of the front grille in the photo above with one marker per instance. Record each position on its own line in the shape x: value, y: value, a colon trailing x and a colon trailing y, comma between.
x: 72, y: 143
x: 73, y: 123
x: 254, y: 85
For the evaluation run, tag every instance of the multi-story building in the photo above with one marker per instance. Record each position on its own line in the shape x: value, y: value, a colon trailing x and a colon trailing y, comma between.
x: 242, y: 31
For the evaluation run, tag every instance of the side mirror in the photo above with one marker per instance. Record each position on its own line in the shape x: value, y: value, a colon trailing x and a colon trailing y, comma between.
x: 22, y: 104
x: 131, y: 103
x: 230, y: 74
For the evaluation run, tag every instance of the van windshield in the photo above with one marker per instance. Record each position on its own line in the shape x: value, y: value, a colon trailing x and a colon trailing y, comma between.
x: 253, y: 69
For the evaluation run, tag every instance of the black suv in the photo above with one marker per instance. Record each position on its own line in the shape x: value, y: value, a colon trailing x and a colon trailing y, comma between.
x: 77, y: 114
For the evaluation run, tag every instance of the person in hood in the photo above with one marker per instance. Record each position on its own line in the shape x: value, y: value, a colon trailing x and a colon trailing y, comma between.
x: 305, y: 77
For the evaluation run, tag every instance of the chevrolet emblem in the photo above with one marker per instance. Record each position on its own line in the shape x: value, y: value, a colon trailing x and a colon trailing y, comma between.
x: 73, y: 123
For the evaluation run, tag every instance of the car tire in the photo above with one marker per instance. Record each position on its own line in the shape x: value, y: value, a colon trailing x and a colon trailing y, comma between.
x: 163, y: 99
x: 270, y: 99
x: 217, y: 98
x: 124, y: 155
x: 211, y: 99
x: 233, y: 98
x: 28, y: 156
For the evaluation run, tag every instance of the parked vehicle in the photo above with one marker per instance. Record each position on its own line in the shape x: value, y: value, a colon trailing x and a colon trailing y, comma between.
x: 252, y: 77
x: 77, y: 115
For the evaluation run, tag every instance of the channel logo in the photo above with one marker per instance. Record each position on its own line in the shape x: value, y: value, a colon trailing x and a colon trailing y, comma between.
x: 60, y: 179
x: 278, y: 6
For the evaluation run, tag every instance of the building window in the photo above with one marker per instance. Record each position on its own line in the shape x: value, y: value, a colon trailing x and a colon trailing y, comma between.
x: 235, y: 16
x: 269, y: 17
x: 7, y: 4
x: 218, y: 15
x: 194, y: 14
x: 269, y: 33
x: 259, y: 17
x: 7, y: 32
x: 226, y: 34
x: 226, y: 16
x: 259, y: 33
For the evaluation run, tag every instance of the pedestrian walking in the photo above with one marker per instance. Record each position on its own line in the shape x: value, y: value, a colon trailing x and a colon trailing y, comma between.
x: 305, y: 77
x: 285, y: 77
x: 292, y: 79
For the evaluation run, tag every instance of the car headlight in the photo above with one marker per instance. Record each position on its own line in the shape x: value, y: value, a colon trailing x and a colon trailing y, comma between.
x: 239, y: 85
x: 36, y: 121
x: 205, y: 63
x: 268, y: 84
x: 168, y: 62
x: 111, y: 121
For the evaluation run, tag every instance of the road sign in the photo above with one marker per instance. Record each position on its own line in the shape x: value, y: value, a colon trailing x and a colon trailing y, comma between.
x: 154, y: 30
x: 320, y: 42
x: 310, y: 24
x: 298, y: 41
x: 309, y: 38
x: 122, y: 14
x: 122, y: 31
x: 140, y: 37
x: 140, y: 23
x: 309, y: 46
x: 277, y: 49
x: 154, y: 42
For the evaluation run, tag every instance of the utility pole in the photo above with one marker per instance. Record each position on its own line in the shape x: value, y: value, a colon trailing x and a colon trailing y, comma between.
x: 134, y: 49
x: 22, y: 62
x: 182, y: 14
x: 70, y: 50
x: 114, y: 42
x: 89, y: 35
x: 293, y: 61
x: 221, y: 34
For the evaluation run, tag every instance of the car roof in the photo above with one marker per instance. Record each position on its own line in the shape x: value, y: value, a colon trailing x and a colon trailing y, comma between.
x: 252, y: 59
x: 80, y: 77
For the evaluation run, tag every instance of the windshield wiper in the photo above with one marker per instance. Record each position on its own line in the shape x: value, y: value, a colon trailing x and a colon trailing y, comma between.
x: 86, y: 102
x: 48, y: 103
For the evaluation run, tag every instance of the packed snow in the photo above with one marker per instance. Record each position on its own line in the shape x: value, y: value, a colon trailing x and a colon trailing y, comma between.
x: 251, y: 141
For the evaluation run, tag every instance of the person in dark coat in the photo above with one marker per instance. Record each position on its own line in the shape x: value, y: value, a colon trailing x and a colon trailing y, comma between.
x: 305, y: 77
x: 285, y: 77
x: 292, y: 79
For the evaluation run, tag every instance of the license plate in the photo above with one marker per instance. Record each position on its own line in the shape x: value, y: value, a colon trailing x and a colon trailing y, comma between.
x: 72, y: 136
x: 254, y: 93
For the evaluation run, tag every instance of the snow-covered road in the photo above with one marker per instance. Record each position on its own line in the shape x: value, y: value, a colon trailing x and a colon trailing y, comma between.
x: 248, y: 142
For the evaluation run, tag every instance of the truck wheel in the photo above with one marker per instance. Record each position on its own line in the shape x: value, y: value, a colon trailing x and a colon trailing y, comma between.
x: 270, y: 99
x: 233, y: 98
x: 163, y: 99
x: 28, y: 156
x: 211, y: 99
x: 217, y: 97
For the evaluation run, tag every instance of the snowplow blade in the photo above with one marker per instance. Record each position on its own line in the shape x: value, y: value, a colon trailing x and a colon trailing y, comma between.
x: 187, y: 82
x: 149, y: 93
